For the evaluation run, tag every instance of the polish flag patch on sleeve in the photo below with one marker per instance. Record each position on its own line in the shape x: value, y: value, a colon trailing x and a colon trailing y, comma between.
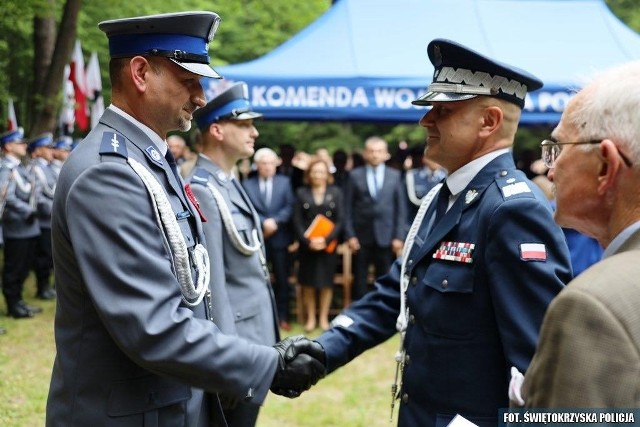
x: 533, y: 252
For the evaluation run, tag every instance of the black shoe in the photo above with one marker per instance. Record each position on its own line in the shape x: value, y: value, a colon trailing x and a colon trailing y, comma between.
x: 19, y: 312
x: 32, y: 308
x: 46, y: 294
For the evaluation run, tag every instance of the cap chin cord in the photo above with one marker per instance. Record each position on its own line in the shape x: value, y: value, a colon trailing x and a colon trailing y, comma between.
x: 462, y: 89
x: 180, y: 56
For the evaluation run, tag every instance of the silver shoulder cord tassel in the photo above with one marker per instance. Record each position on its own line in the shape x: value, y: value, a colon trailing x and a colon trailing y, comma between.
x: 192, y: 294
x: 230, y: 227
x: 233, y: 234
x: 48, y: 191
x: 401, y: 323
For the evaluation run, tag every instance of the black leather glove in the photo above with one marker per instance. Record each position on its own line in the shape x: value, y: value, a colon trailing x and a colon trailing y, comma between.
x: 301, y: 363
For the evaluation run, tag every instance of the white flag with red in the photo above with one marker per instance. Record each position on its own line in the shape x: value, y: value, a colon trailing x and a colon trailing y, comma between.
x: 12, y: 121
x: 533, y: 252
x: 94, y: 89
x: 79, y: 80
x: 67, y: 114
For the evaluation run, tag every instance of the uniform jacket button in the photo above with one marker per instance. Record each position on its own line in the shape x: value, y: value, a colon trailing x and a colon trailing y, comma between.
x: 407, y: 359
x: 414, y: 280
x: 405, y: 398
x: 412, y: 319
x: 445, y: 284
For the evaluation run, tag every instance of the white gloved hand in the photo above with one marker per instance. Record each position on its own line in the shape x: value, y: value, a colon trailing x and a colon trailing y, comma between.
x: 515, y: 387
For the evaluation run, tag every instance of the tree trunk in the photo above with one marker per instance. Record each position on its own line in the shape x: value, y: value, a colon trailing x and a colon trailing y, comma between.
x: 49, y: 96
x: 44, y: 40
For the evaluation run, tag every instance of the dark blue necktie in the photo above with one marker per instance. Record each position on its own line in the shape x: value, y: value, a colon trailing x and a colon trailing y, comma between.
x: 172, y: 164
x: 442, y: 202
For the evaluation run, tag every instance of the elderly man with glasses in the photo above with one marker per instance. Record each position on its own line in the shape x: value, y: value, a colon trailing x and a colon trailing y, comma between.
x: 588, y: 354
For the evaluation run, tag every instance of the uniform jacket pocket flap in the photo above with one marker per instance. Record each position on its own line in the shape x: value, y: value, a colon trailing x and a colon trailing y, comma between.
x: 446, y: 276
x: 241, y: 222
x: 242, y: 312
x: 140, y: 395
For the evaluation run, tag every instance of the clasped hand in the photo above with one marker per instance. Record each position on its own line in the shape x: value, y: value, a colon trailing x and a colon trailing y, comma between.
x: 301, y: 363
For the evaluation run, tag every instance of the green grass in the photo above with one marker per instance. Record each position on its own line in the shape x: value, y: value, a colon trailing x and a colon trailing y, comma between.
x: 355, y: 395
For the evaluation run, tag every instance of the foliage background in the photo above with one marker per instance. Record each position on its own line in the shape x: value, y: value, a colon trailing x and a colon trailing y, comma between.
x: 249, y: 29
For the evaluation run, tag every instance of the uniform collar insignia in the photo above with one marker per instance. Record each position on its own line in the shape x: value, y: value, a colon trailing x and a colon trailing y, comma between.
x: 471, y: 194
x: 154, y: 154
x: 222, y: 176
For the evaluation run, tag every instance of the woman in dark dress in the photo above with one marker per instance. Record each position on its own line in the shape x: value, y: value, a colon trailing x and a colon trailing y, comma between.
x: 317, y: 265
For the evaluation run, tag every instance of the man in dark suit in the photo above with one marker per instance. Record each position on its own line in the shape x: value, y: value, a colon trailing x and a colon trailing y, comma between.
x: 244, y: 303
x: 273, y: 198
x: 481, y: 263
x: 375, y: 214
x: 135, y: 339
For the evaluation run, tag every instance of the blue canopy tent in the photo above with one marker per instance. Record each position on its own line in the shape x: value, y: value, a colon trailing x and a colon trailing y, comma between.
x: 366, y: 60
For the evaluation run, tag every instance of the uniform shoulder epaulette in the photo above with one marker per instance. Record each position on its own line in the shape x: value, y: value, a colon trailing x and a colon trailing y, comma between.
x: 513, y: 183
x: 200, y: 176
x: 113, y: 144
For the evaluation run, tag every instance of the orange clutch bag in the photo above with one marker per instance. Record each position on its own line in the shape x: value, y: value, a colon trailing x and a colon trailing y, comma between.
x: 321, y: 226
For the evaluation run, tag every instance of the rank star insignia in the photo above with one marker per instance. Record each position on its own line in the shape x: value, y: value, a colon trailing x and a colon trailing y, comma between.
x: 471, y: 194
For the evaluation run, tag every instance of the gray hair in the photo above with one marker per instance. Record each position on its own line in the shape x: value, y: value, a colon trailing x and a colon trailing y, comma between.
x: 610, y: 108
x: 264, y: 153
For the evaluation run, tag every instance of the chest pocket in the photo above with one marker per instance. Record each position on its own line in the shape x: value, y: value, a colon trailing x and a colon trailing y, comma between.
x: 449, y: 277
x: 244, y: 225
x: 241, y: 221
x: 184, y: 220
x: 445, y: 304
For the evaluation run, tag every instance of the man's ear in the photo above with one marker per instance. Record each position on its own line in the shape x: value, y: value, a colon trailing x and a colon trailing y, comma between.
x: 611, y: 164
x: 216, y: 130
x: 492, y: 118
x: 139, y: 69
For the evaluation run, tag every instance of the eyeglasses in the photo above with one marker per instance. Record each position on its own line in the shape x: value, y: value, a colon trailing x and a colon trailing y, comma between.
x: 551, y: 149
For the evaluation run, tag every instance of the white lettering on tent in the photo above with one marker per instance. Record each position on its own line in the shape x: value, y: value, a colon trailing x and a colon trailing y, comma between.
x: 308, y: 96
x: 556, y: 101
x: 360, y: 98
x: 529, y: 105
x: 394, y: 98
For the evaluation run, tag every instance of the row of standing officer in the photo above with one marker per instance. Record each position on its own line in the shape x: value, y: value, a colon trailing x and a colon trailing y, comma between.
x: 26, y: 196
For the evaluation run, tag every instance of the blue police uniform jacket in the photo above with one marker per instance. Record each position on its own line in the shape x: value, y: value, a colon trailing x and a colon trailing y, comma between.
x: 473, y: 314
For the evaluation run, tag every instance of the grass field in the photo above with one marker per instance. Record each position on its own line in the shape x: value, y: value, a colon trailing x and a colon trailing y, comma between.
x: 357, y: 395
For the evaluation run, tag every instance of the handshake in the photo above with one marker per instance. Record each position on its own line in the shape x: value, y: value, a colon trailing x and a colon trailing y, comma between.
x: 301, y: 363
